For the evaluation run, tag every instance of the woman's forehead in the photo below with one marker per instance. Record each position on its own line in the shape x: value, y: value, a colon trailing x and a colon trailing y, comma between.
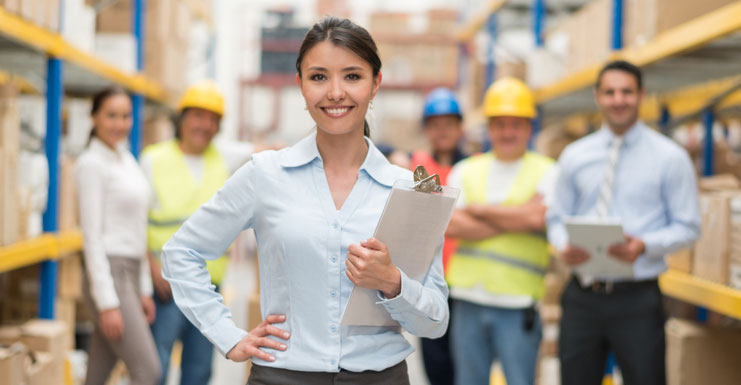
x: 329, y: 56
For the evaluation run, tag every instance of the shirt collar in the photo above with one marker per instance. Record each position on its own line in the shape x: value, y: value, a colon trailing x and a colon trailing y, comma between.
x: 629, y: 138
x: 375, y: 164
x: 100, y: 147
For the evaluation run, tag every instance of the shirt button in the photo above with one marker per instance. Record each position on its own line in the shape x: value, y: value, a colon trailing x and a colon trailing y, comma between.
x: 333, y: 328
x: 333, y: 362
x: 335, y: 225
x: 333, y: 294
x: 334, y: 259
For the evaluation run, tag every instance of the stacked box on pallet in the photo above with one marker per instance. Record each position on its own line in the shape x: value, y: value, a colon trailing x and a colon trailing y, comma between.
x: 9, y: 150
x: 712, y: 250
x: 167, y: 26
x: 734, y: 268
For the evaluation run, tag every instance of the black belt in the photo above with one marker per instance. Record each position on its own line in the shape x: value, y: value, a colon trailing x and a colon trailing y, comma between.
x: 608, y: 287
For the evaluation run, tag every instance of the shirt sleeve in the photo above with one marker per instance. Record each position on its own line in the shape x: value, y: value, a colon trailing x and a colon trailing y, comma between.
x: 680, y: 196
x: 90, y: 178
x: 562, y: 204
x: 547, y: 185
x: 205, y: 236
x: 422, y: 307
x: 145, y: 278
x: 455, y: 179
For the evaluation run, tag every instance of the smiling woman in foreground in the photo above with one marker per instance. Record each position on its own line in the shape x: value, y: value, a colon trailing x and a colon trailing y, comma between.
x: 313, y: 207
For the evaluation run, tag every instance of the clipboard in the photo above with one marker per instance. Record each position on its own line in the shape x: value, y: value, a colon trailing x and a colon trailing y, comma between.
x: 412, y: 226
x: 595, y: 236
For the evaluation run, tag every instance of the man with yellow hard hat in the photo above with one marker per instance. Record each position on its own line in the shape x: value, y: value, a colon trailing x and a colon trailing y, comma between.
x: 496, y: 275
x: 184, y: 173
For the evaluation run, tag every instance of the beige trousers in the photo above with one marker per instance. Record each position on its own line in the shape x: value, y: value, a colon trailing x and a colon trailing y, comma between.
x: 136, y: 348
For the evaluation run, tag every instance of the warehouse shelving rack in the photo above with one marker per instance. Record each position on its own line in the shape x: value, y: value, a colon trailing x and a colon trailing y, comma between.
x: 43, y: 60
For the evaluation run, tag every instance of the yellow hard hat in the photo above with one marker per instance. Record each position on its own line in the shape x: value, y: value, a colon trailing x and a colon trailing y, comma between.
x: 204, y: 94
x: 509, y: 97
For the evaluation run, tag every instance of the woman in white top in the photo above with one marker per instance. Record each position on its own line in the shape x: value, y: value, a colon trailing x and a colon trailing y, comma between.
x: 313, y: 207
x: 114, y: 197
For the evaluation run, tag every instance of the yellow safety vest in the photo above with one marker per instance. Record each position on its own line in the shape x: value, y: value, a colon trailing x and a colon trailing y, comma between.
x: 510, y: 263
x: 179, y: 195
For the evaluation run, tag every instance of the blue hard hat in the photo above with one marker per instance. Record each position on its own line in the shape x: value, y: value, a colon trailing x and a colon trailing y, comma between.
x: 441, y: 101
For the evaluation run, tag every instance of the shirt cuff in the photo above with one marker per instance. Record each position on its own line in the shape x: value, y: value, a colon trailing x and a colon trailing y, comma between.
x: 105, y: 300
x: 225, y: 335
x: 409, y: 295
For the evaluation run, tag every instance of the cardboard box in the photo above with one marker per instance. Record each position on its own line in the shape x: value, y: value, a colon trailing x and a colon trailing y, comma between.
x: 116, y: 18
x: 711, y: 250
x: 12, y: 6
x: 680, y: 260
x: 700, y: 355
x: 118, y: 49
x: 673, y: 13
x: 719, y: 183
x: 587, y: 35
x: 68, y: 213
x: 157, y: 130
x: 66, y: 313
x: 70, y: 277
x: 9, y: 335
x: 11, y: 364
x: 41, y: 369
x: 48, y: 336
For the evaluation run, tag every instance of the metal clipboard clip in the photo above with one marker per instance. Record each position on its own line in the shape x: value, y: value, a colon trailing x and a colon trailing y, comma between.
x: 424, y: 182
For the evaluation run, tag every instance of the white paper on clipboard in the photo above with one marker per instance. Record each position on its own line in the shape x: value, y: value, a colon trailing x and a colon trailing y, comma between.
x: 411, y: 226
x: 595, y: 236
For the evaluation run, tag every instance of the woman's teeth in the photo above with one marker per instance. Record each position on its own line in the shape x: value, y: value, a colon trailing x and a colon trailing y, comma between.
x: 337, y: 111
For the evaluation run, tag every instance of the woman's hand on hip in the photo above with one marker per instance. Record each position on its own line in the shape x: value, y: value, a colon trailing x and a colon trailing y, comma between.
x: 112, y: 324
x: 251, y: 345
x: 369, y: 266
x: 149, y: 310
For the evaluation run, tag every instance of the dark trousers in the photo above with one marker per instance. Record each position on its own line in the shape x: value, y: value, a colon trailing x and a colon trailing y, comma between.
x: 629, y: 322
x: 264, y: 375
x: 437, y: 356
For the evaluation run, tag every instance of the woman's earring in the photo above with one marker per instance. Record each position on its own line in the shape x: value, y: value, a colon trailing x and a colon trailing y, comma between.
x: 306, y: 108
x: 371, y: 104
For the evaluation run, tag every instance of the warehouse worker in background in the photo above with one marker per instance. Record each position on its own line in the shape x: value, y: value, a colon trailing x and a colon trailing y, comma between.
x: 497, y: 274
x: 625, y: 170
x: 184, y: 173
x: 442, y: 121
x: 113, y: 199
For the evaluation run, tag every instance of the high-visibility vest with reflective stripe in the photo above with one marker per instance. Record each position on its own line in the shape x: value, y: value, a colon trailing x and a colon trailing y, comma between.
x: 420, y: 158
x: 179, y: 196
x: 510, y: 263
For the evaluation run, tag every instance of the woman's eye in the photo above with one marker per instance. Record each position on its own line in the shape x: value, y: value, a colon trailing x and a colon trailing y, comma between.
x: 353, y: 77
x: 318, y: 77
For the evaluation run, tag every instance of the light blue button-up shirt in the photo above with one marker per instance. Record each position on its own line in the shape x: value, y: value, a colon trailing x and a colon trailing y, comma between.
x: 654, y: 192
x: 303, y: 244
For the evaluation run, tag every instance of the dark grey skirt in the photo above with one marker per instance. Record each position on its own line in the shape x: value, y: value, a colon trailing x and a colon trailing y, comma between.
x: 263, y: 375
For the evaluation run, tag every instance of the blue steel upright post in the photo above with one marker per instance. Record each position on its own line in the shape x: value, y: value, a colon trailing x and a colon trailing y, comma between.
x: 538, y: 24
x: 617, y: 25
x: 491, y: 65
x: 664, y: 120
x: 137, y: 100
x: 54, y: 90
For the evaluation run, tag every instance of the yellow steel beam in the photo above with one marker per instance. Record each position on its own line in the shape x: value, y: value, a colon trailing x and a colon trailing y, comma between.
x: 26, y: 253
x: 685, y: 37
x: 23, y: 84
x: 53, y: 44
x: 713, y: 296
x: 42, y: 248
x: 469, y: 29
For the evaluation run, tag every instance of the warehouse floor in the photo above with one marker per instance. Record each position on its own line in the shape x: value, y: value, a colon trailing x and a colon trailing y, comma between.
x: 238, y: 283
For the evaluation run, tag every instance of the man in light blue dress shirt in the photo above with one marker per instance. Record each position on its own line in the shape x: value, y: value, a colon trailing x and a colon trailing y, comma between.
x: 629, y: 171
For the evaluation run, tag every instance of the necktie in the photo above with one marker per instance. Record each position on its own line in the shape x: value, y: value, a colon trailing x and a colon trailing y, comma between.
x: 602, y: 209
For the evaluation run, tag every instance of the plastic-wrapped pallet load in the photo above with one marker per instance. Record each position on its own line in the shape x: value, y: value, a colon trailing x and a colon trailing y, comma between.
x: 9, y: 149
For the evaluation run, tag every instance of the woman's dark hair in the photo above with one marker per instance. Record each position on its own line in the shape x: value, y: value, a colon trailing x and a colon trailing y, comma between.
x: 100, y: 98
x: 346, y: 34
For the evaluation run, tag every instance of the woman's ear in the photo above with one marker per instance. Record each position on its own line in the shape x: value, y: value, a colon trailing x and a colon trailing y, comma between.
x: 298, y: 80
x: 376, y: 84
